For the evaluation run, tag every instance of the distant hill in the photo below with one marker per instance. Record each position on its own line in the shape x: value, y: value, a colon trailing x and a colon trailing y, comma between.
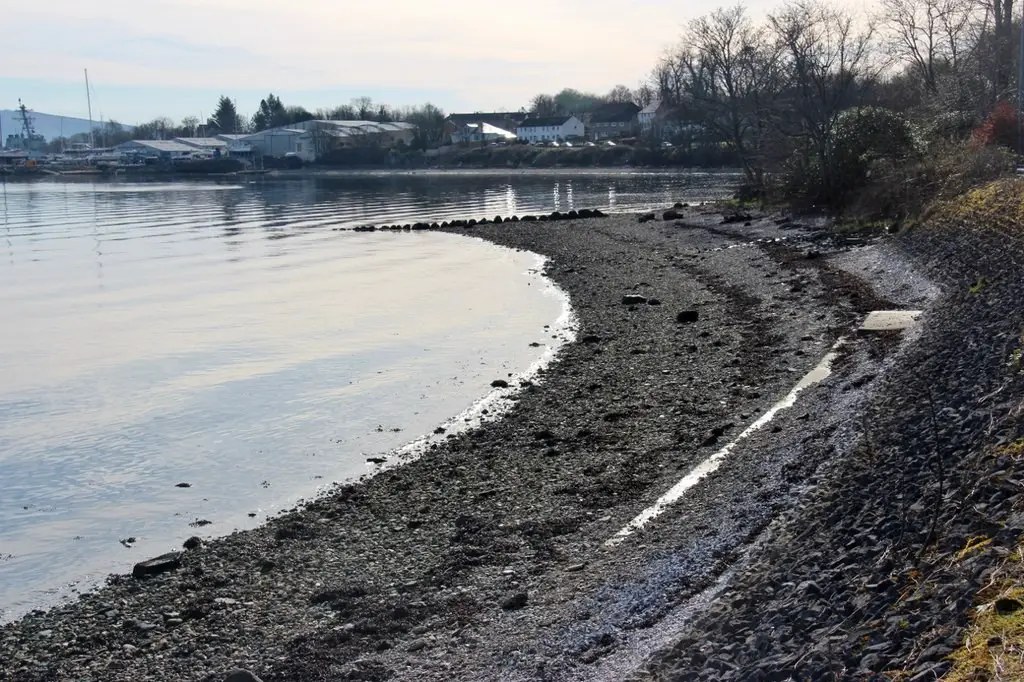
x: 49, y: 126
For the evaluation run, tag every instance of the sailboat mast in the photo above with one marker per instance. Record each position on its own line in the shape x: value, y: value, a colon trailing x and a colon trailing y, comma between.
x: 88, y: 100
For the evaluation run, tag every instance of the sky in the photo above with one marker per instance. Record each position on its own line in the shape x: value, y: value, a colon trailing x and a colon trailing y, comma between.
x: 149, y: 58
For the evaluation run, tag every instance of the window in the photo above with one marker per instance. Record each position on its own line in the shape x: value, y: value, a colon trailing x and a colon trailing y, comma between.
x: 298, y: 146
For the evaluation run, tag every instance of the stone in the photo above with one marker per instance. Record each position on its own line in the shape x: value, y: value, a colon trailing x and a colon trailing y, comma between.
x: 633, y: 299
x: 183, y: 485
x: 671, y: 214
x: 499, y: 383
x: 193, y: 543
x: 688, y: 317
x: 514, y: 601
x: 240, y: 675
x: 157, y: 565
x: 646, y: 218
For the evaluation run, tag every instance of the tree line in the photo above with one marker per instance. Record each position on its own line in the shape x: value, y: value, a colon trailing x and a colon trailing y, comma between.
x: 787, y: 93
x: 270, y: 113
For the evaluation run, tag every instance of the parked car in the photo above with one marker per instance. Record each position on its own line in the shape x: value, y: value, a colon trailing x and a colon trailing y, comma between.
x: 609, y: 143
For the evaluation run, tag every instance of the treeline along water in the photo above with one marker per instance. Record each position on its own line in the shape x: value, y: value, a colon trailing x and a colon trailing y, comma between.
x: 225, y: 336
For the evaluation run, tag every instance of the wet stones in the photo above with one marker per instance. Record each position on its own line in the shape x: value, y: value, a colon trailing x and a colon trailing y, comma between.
x: 193, y: 543
x: 157, y: 565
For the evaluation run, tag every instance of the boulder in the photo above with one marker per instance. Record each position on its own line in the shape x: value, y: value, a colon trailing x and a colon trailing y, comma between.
x: 157, y: 565
x: 687, y: 317
x: 633, y: 299
x: 514, y: 601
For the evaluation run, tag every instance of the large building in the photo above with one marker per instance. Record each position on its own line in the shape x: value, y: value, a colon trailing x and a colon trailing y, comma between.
x: 549, y: 128
x: 309, y: 140
x: 166, y: 150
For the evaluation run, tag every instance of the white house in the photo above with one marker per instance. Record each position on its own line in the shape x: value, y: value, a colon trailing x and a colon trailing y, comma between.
x: 550, y: 128
x: 649, y: 115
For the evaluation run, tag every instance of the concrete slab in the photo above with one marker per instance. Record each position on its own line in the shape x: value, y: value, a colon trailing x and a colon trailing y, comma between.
x: 890, y: 320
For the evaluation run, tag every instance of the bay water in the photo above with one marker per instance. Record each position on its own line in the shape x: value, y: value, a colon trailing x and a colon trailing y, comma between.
x: 188, y: 358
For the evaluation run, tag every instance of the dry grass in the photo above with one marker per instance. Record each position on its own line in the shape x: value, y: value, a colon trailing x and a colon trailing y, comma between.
x: 993, y: 648
x: 999, y: 202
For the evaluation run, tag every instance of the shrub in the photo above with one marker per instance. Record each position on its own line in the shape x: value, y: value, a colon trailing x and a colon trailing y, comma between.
x: 999, y: 129
x: 899, y: 190
x: 860, y: 138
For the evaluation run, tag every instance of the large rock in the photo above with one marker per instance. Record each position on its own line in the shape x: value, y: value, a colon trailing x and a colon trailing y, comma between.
x: 241, y: 676
x: 687, y: 317
x: 157, y: 565
x: 633, y: 299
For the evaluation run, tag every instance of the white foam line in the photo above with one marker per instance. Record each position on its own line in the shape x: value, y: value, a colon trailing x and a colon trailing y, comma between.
x: 712, y: 463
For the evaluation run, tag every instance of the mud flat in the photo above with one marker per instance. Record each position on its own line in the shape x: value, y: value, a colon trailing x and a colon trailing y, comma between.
x: 488, y: 557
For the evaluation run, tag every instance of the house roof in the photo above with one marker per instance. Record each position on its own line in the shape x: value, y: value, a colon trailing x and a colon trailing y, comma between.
x: 544, y: 121
x: 614, y: 112
x: 479, y: 117
x: 233, y: 137
x: 210, y: 142
x: 367, y: 126
x: 160, y: 145
x: 274, y: 131
x: 652, y: 108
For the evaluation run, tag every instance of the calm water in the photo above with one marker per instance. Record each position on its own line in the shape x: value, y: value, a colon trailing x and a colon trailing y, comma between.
x: 225, y: 336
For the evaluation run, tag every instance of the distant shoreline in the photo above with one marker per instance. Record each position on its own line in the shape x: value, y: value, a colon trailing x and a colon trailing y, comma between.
x: 328, y: 172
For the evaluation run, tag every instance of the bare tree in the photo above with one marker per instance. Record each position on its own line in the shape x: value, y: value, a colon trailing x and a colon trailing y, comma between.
x: 726, y: 78
x: 543, y: 105
x: 645, y: 94
x: 620, y: 94
x: 1002, y: 15
x: 827, y: 60
x: 364, y: 108
x: 931, y: 36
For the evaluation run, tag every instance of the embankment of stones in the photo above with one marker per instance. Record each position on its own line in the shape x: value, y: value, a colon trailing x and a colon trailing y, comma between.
x: 879, y: 568
x: 582, y: 214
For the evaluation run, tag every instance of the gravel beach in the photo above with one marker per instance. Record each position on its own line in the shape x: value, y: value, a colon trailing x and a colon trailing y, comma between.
x: 486, y: 559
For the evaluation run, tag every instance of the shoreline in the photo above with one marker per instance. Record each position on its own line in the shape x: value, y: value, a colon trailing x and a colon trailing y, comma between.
x: 485, y: 557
